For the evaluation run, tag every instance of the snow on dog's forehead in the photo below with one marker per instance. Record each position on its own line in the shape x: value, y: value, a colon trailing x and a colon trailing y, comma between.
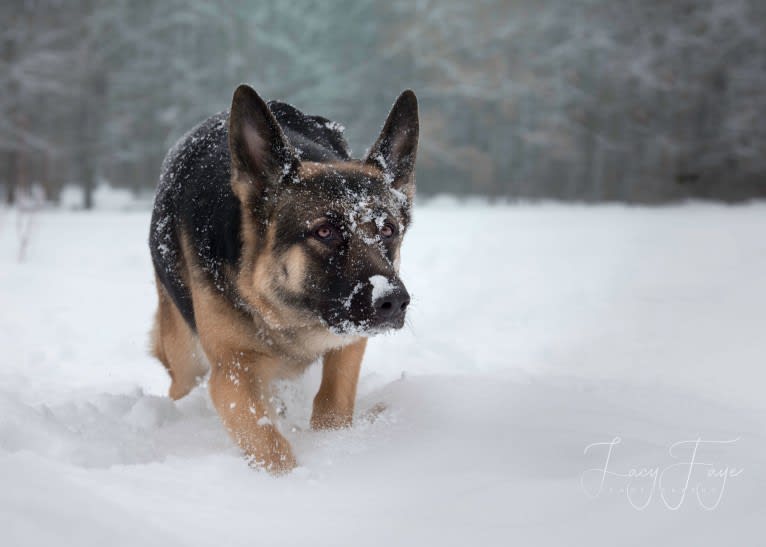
x: 347, y: 181
x: 363, y: 209
x: 359, y: 196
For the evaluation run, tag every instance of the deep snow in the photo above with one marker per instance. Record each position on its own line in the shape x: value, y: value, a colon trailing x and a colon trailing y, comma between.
x: 533, y: 332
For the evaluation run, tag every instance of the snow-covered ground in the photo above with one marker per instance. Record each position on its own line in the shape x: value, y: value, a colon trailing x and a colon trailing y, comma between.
x: 534, y: 332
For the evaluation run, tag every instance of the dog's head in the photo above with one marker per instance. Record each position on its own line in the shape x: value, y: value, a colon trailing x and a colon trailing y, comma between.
x: 322, y: 239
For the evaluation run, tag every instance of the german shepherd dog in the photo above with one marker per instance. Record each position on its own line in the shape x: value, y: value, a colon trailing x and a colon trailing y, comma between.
x: 272, y: 247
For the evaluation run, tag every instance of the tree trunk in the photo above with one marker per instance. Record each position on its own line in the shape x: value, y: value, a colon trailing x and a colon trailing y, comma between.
x: 11, y: 176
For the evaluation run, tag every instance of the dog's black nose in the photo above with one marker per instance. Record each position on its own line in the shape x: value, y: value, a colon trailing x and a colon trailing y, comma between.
x: 391, y: 307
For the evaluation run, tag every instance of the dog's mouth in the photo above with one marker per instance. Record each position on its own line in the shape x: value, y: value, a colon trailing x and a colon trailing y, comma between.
x: 366, y: 327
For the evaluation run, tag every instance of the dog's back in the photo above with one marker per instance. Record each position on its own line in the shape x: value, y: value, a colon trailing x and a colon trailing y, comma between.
x: 315, y: 138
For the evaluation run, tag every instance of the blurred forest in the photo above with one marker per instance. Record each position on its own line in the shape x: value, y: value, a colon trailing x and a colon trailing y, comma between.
x: 592, y: 100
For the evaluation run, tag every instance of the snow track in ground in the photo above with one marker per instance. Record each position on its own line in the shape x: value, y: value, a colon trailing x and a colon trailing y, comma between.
x: 533, y: 332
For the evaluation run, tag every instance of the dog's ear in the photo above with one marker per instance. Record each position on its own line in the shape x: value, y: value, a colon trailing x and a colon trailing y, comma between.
x: 260, y: 153
x: 396, y: 148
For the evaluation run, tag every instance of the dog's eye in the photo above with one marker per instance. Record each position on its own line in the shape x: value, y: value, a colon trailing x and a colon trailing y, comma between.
x: 325, y: 231
x: 387, y: 230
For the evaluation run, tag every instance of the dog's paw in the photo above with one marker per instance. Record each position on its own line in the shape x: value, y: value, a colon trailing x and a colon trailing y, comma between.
x: 273, y: 454
x: 330, y: 420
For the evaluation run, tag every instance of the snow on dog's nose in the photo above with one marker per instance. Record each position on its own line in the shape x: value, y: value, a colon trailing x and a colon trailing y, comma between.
x: 389, y: 300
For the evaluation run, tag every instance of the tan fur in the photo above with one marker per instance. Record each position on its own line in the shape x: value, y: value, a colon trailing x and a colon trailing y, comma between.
x: 318, y: 342
x: 292, y: 269
x: 254, y: 280
x: 240, y: 389
x: 310, y: 168
x: 175, y: 345
x: 334, y: 403
x: 257, y: 278
x: 242, y: 367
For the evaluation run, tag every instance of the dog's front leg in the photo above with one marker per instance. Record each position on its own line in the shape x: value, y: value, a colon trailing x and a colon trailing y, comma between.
x: 239, y: 388
x: 334, y: 403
